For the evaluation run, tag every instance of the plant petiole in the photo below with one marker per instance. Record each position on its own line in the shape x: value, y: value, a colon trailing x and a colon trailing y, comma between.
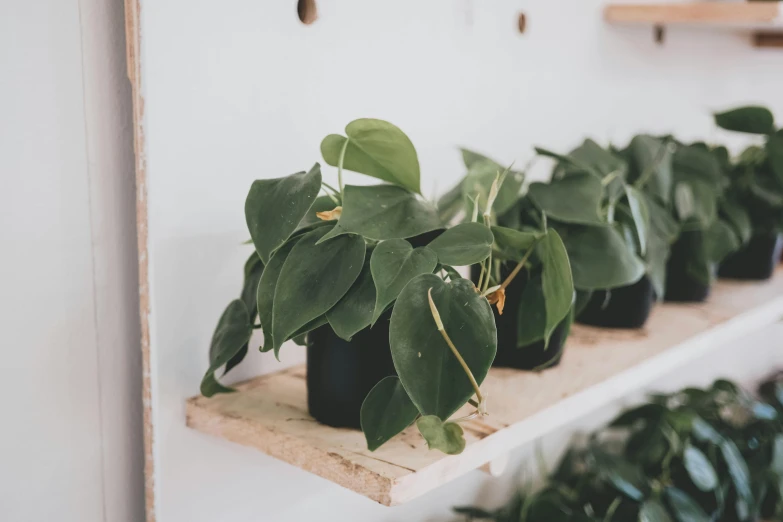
x: 519, y: 266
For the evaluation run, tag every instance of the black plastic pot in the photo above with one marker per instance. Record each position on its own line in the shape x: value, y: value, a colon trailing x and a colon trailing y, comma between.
x: 533, y: 356
x: 341, y: 373
x: 756, y: 261
x: 681, y: 284
x: 624, y: 307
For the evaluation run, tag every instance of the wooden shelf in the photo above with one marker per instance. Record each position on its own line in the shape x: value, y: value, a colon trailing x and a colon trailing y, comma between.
x: 764, y: 19
x: 269, y: 413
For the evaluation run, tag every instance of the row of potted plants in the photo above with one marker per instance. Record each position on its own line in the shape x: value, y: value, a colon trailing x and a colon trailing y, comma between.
x: 365, y: 277
x: 698, y: 455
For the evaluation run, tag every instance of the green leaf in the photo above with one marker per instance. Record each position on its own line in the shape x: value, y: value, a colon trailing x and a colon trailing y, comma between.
x: 565, y: 160
x: 353, y: 312
x: 266, y: 291
x: 704, y: 432
x: 394, y: 263
x: 700, y: 469
x: 478, y: 182
x: 720, y: 241
x: 600, y: 160
x: 464, y: 244
x: 386, y: 411
x: 231, y: 335
x: 531, y: 321
x: 653, y: 160
x: 573, y: 199
x: 556, y: 282
x: 600, y: 258
x: 696, y: 201
x: 321, y: 204
x: 386, y: 212
x: 738, y: 469
x: 254, y: 268
x: 444, y: 436
x: 430, y: 372
x: 513, y: 244
x: 641, y: 216
x: 693, y: 162
x: 738, y: 218
x: 313, y: 279
x: 750, y: 119
x: 378, y: 149
x: 685, y: 508
x: 653, y: 511
x: 774, y: 149
x: 451, y: 203
x: 777, y: 456
x: 470, y: 158
x: 274, y: 208
x: 627, y: 478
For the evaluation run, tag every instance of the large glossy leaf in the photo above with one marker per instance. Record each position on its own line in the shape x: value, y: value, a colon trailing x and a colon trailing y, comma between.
x: 738, y: 469
x: 513, y: 244
x: 556, y: 281
x: 700, y: 469
x: 684, y: 507
x: 430, y: 372
x: 386, y: 212
x: 353, y: 312
x: 531, y: 322
x: 231, y: 335
x: 375, y: 148
x: 573, y: 199
x: 750, y: 119
x: 653, y: 511
x: 444, y: 436
x: 600, y: 258
x: 313, y: 279
x: 394, y: 263
x: 478, y: 182
x: 464, y: 244
x: 266, y: 291
x: 386, y: 411
x: 652, y: 160
x: 275, y: 207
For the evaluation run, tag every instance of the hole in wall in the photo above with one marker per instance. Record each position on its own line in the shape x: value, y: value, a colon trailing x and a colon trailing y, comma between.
x: 307, y: 11
x: 522, y: 23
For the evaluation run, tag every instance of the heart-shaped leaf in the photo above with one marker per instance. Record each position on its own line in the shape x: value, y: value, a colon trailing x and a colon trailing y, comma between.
x: 321, y: 204
x: 375, y: 148
x: 386, y: 411
x: 266, y: 290
x: 313, y: 279
x: 599, y: 159
x: 275, y: 207
x: 254, y: 268
x: 386, y: 212
x: 566, y: 161
x: 231, y: 335
x: 430, y: 372
x: 353, y: 312
x: 684, y: 507
x: 600, y: 258
x: 737, y: 216
x: 696, y: 162
x: 573, y: 199
x: 513, y: 244
x: 719, y: 241
x: 750, y: 119
x: 470, y: 158
x: 394, y: 263
x: 641, y: 216
x: 464, y: 244
x: 556, y: 282
x: 700, y: 469
x: 531, y: 322
x: 652, y: 160
x: 447, y: 437
x: 653, y: 511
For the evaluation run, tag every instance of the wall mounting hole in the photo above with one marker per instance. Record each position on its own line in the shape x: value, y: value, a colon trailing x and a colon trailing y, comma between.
x: 522, y: 22
x: 307, y: 11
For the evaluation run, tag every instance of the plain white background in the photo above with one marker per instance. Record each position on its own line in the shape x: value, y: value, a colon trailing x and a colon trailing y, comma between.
x: 238, y: 90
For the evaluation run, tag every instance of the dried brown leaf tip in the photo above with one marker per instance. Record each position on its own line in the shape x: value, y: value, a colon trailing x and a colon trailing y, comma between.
x: 330, y: 214
x: 498, y: 297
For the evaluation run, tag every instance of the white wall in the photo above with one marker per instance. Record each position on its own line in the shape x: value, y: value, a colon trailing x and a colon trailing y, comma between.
x: 70, y: 446
x: 239, y: 89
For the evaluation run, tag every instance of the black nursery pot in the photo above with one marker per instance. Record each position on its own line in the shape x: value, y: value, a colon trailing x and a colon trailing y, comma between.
x: 756, y: 261
x: 623, y: 307
x: 341, y: 373
x: 533, y: 356
x: 681, y: 285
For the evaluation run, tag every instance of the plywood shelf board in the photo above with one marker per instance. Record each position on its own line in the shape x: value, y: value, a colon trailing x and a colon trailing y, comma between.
x: 765, y: 16
x: 599, y: 366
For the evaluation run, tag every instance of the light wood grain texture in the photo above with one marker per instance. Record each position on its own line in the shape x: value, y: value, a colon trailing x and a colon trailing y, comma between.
x: 269, y: 413
x: 725, y: 14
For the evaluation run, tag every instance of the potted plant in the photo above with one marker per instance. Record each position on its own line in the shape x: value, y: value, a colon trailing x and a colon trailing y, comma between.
x: 528, y: 274
x: 757, y: 187
x: 363, y: 276
x: 612, y: 232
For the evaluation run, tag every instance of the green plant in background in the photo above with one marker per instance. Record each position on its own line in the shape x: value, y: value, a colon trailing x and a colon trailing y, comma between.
x: 756, y: 176
x: 698, y: 455
x: 343, y: 258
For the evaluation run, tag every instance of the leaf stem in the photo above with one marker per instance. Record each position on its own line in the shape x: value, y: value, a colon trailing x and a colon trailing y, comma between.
x: 442, y: 330
x: 340, y: 166
x: 489, y: 269
x: 519, y: 266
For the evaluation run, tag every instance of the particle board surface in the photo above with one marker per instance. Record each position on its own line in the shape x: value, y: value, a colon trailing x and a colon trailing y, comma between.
x: 269, y: 413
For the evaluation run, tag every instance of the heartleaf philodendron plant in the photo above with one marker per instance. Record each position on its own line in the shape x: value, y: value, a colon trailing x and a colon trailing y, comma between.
x: 343, y: 258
